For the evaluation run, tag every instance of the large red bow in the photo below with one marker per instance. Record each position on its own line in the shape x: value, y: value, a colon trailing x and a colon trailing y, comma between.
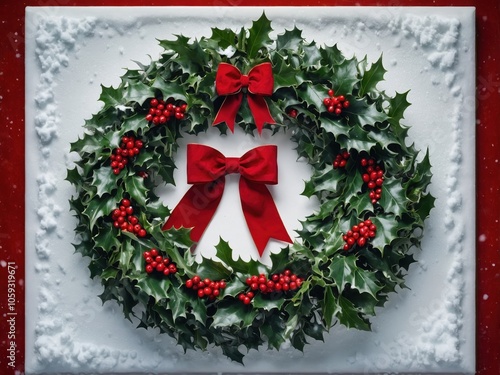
x: 206, y: 169
x: 259, y: 83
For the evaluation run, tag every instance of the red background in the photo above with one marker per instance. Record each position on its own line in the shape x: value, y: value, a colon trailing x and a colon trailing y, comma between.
x: 487, y: 155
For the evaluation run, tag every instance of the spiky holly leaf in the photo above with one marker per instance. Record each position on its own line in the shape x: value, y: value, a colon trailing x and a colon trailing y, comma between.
x: 235, y: 314
x: 98, y: 208
x: 225, y: 254
x: 397, y: 107
x: 170, y: 89
x: 190, y: 56
x: 274, y: 328
x: 344, y: 270
x: 393, y: 196
x: 224, y: 37
x: 326, y: 180
x: 349, y: 316
x: 372, y: 77
x: 329, y: 305
x: 290, y: 39
x: 345, y: 77
x: 104, y: 180
x: 258, y: 36
x: 138, y: 92
x: 89, y: 144
x: 111, y: 97
x: 134, y: 185
x: 284, y: 74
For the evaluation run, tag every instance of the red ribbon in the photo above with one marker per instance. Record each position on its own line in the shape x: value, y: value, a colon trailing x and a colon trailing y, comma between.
x: 206, y: 170
x: 259, y: 82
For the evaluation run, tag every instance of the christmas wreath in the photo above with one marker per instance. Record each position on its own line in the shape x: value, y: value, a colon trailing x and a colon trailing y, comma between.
x: 349, y: 255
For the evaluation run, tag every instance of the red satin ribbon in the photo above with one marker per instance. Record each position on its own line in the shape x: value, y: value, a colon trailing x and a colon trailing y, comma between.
x: 229, y: 82
x: 206, y: 170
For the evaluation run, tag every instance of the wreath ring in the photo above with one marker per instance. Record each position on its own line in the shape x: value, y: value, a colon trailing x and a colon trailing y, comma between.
x: 350, y: 254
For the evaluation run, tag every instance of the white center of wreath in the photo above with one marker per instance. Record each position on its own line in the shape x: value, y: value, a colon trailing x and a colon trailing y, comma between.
x: 228, y: 222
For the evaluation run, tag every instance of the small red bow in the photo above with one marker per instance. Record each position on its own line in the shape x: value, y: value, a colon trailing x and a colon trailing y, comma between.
x: 229, y: 82
x: 206, y: 170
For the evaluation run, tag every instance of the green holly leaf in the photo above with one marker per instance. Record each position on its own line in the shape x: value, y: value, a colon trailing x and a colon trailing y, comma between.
x: 158, y: 288
x: 290, y: 39
x: 273, y: 328
x: 73, y: 176
x: 235, y: 314
x: 358, y: 139
x: 280, y: 260
x: 111, y: 97
x: 284, y: 74
x: 89, y: 144
x: 134, y: 185
x: 387, y: 230
x: 258, y: 36
x: 190, y: 57
x: 393, y: 196
x: 326, y: 180
x: 360, y: 203
x: 224, y: 37
x: 107, y: 240
x: 349, y: 316
x: 425, y: 206
x: 331, y: 56
x: 138, y: 92
x: 170, y: 89
x: 231, y: 351
x: 397, y: 107
x: 224, y: 253
x: 312, y: 56
x: 213, y: 270
x: 329, y: 306
x: 345, y: 77
x: 133, y: 124
x: 104, y: 180
x: 177, y: 302
x: 361, y: 113
x: 372, y: 77
x: 312, y: 94
x: 334, y: 125
x: 98, y: 208
x: 267, y: 304
x: 341, y: 270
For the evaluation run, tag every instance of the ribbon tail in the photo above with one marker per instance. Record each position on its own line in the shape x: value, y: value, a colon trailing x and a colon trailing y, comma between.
x: 228, y: 110
x: 260, y: 111
x: 261, y: 214
x: 196, y: 208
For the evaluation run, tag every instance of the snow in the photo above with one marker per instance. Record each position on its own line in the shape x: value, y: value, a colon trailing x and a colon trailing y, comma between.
x: 429, y: 51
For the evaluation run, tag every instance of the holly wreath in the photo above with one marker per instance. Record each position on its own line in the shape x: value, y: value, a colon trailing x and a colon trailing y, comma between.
x: 349, y: 255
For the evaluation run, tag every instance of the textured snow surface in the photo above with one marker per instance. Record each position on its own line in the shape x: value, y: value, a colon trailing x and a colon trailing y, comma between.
x: 72, y: 51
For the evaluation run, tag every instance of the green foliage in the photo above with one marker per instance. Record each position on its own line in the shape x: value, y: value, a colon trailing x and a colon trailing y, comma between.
x: 338, y: 287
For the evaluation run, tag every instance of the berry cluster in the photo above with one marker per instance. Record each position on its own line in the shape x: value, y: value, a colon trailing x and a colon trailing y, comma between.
x: 160, y: 112
x: 155, y: 262
x: 283, y: 282
x: 129, y: 147
x: 206, y: 287
x: 359, y: 234
x: 373, y: 178
x: 335, y: 104
x: 124, y: 219
x: 341, y: 160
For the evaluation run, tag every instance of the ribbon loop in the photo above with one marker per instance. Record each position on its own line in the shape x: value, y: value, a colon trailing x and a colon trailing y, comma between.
x: 229, y: 82
x: 206, y: 170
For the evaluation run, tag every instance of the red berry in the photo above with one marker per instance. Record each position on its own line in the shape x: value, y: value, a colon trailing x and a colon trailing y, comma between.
x: 189, y: 284
x: 149, y: 268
